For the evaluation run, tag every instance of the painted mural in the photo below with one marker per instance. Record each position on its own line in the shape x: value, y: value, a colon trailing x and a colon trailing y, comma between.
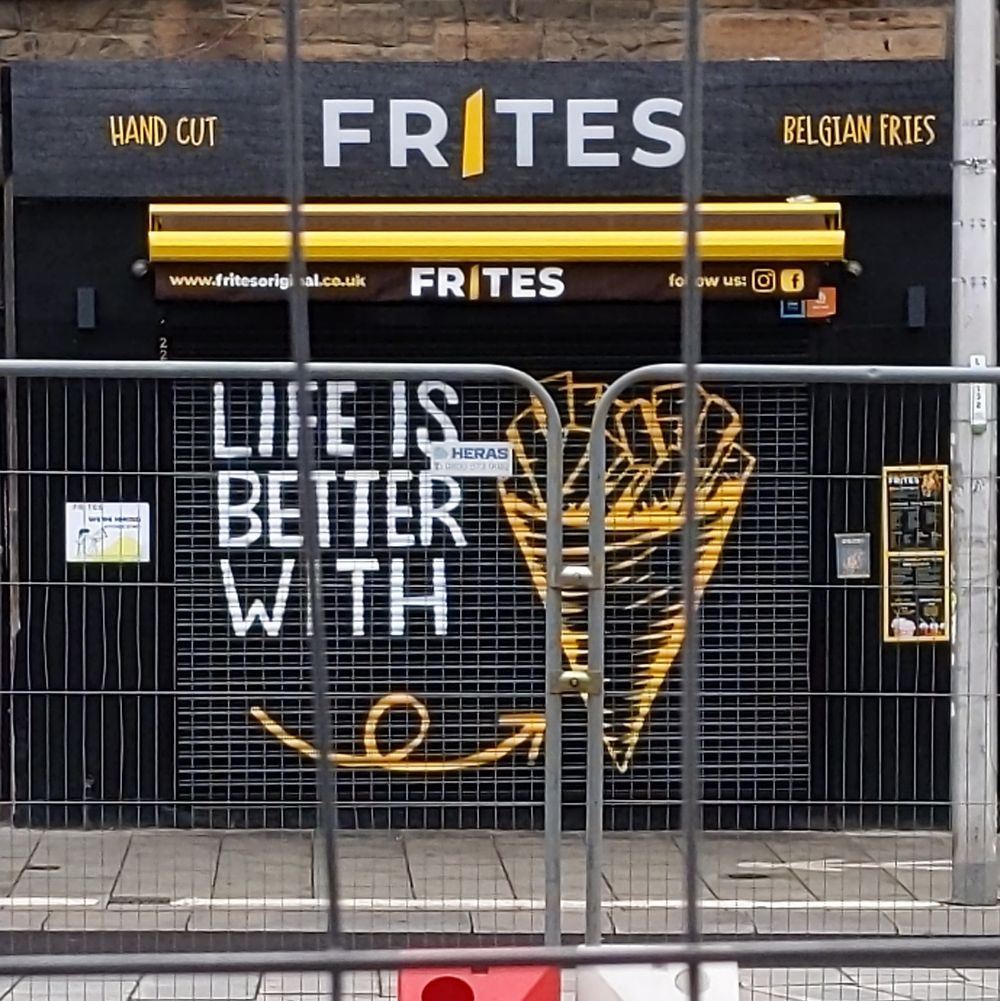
x: 433, y: 586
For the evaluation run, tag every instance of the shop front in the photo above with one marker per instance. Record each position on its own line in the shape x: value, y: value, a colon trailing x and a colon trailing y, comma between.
x: 520, y: 214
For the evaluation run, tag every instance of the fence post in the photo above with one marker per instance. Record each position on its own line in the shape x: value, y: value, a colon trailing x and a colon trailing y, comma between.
x: 974, y: 444
x: 596, y: 513
x: 553, y: 667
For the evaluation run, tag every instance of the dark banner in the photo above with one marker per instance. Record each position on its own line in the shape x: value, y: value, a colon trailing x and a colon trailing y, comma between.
x: 544, y: 130
x: 488, y: 282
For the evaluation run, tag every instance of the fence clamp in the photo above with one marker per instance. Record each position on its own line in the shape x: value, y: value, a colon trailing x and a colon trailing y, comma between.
x: 576, y: 578
x: 576, y: 683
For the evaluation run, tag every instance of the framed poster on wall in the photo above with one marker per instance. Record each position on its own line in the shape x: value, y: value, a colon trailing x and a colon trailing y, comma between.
x: 916, y: 517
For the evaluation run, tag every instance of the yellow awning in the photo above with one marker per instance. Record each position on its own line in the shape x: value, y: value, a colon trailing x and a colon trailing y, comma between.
x: 497, y: 232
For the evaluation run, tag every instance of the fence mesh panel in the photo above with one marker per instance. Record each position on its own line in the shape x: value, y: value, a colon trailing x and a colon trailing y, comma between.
x: 161, y: 769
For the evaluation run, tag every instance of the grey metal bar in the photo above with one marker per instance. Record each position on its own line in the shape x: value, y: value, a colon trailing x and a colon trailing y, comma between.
x: 857, y: 374
x: 26, y: 368
x: 594, y: 792
x: 553, y: 665
x: 11, y: 557
x: 714, y: 372
x: 749, y: 952
x: 298, y: 317
x: 974, y: 460
x: 690, y: 357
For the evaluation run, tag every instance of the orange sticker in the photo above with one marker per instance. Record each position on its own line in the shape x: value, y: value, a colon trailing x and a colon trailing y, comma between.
x: 825, y: 304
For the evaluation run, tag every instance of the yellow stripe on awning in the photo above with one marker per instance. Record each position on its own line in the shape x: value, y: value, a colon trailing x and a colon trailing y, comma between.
x: 471, y: 232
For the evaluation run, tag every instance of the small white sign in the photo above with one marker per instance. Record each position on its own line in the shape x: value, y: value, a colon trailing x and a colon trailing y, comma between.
x: 472, y: 458
x: 107, y: 532
x: 978, y: 416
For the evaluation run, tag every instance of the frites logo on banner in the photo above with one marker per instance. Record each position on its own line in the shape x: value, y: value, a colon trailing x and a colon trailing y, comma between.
x: 515, y: 283
x: 414, y: 130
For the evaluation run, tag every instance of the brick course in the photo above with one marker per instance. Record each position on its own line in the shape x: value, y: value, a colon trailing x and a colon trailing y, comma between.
x: 472, y: 29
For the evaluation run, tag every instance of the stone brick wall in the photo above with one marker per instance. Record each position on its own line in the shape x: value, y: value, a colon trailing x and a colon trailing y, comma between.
x: 473, y: 29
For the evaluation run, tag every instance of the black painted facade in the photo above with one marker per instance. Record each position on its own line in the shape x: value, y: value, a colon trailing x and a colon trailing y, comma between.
x: 100, y: 706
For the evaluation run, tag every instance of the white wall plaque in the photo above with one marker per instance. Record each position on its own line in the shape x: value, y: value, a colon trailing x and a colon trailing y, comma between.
x: 107, y: 532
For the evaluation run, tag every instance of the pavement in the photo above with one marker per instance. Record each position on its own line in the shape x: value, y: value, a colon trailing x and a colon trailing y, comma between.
x: 755, y: 985
x: 461, y: 887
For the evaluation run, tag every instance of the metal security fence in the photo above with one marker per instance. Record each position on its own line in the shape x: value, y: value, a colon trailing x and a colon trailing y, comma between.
x: 811, y: 717
x: 418, y: 886
x: 755, y: 546
x: 169, y: 684
x: 170, y: 687
x: 434, y: 588
x: 160, y: 630
x: 89, y: 668
x: 881, y: 589
x: 885, y: 703
x: 629, y: 501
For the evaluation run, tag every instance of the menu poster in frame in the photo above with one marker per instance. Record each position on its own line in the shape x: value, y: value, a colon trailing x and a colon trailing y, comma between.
x: 916, y: 518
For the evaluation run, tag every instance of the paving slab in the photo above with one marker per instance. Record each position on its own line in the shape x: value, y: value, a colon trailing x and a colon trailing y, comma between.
x: 889, y: 977
x: 22, y: 918
x: 508, y: 922
x: 370, y: 879
x: 359, y: 985
x: 926, y: 885
x: 266, y: 863
x: 198, y: 987
x: 948, y: 921
x: 523, y: 859
x: 857, y: 884
x: 417, y: 922
x: 470, y: 874
x: 257, y: 919
x: 66, y: 882
x: 757, y: 887
x: 8, y: 876
x: 953, y: 990
x: 369, y: 865
x: 99, y: 988
x: 455, y: 865
x: 847, y: 866
x: 673, y: 921
x: 779, y: 977
x: 983, y: 978
x: 17, y: 842
x: 119, y: 919
x: 98, y: 853
x: 169, y: 864
x: 652, y: 921
x: 832, y: 992
x: 651, y: 868
x: 782, y: 921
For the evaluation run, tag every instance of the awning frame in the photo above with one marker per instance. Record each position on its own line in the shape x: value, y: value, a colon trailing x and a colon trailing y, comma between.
x: 496, y: 232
